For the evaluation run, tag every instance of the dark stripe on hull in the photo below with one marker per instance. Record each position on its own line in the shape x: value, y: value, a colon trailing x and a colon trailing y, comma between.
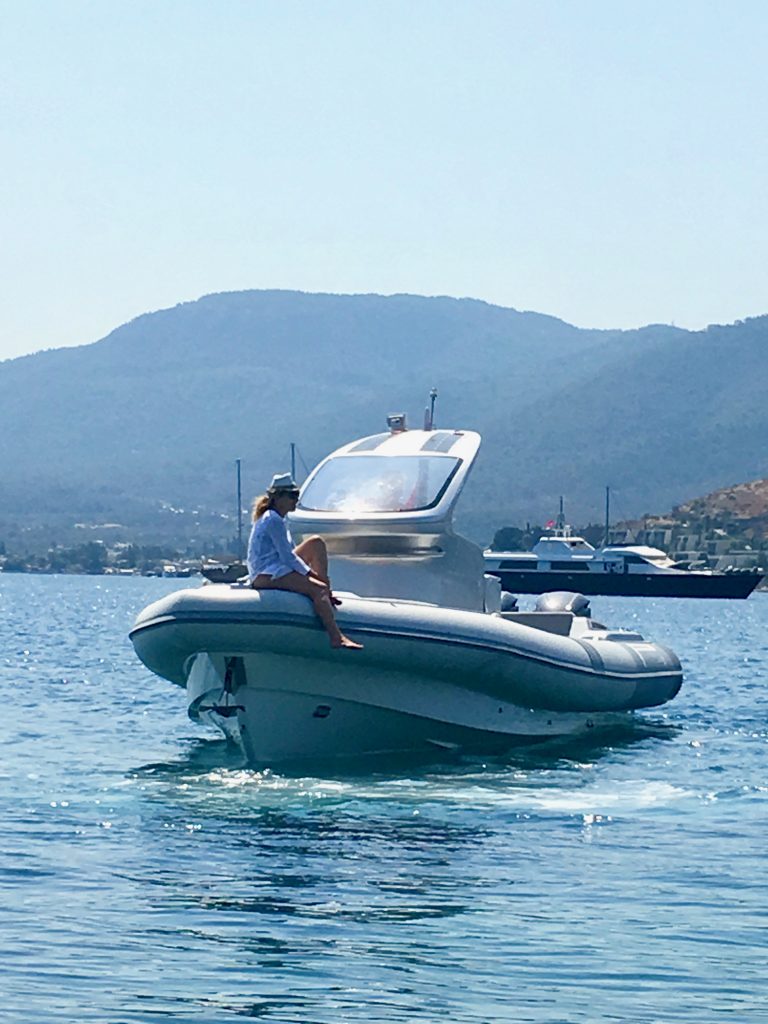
x: 724, y: 585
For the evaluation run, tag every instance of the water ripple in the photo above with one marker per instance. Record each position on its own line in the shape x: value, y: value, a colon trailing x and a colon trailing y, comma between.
x: 145, y: 875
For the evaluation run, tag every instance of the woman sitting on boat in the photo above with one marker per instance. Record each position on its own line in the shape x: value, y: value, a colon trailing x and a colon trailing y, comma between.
x: 275, y: 564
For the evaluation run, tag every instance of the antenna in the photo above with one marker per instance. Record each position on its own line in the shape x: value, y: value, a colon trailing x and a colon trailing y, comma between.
x: 561, y: 517
x: 293, y: 461
x: 429, y: 412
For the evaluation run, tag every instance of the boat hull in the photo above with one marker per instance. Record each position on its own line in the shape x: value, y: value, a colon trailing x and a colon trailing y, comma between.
x: 259, y: 665
x: 636, y: 584
x: 292, y: 718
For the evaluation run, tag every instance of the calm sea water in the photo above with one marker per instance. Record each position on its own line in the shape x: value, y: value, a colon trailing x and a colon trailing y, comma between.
x: 145, y: 876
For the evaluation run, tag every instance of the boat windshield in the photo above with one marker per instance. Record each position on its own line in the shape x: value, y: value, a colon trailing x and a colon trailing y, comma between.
x: 373, y: 483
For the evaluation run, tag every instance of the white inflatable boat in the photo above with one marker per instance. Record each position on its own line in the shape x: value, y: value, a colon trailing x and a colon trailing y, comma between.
x: 442, y: 666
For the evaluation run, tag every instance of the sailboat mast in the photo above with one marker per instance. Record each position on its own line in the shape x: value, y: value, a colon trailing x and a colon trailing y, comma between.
x: 607, y: 515
x: 239, y: 512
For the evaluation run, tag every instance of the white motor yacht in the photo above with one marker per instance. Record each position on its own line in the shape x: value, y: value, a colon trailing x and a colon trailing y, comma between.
x: 563, y: 561
x: 443, y: 666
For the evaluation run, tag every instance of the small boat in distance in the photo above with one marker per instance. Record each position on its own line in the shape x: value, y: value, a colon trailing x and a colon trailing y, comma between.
x: 560, y: 560
x: 220, y: 572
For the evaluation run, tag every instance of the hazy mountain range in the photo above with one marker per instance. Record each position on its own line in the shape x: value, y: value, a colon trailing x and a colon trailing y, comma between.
x: 156, y: 413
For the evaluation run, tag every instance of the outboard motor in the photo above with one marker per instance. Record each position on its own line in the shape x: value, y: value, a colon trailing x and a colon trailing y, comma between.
x: 564, y: 601
x: 508, y: 601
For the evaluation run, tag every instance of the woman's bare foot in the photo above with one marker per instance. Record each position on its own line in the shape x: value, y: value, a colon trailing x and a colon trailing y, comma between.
x: 344, y: 641
x: 335, y: 600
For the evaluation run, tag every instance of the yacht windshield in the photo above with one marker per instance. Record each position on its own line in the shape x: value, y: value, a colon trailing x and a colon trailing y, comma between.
x: 375, y: 483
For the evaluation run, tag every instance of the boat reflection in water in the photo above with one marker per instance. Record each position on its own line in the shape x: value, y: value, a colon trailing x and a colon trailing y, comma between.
x: 444, y: 667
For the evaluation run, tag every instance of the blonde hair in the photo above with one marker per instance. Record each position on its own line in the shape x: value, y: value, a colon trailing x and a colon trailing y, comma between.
x: 261, y: 505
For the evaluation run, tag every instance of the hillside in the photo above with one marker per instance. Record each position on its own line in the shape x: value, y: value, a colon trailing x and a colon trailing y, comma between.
x: 742, y: 503
x: 723, y: 529
x: 156, y: 412
x: 681, y: 415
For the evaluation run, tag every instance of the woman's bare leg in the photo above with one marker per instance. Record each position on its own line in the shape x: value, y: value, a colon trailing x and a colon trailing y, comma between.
x: 315, y: 553
x: 320, y: 596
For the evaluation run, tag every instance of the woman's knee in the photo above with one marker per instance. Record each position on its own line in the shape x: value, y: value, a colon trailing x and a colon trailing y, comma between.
x: 313, y: 545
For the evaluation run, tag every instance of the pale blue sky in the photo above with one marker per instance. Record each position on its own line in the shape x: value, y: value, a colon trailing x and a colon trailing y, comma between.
x: 602, y: 161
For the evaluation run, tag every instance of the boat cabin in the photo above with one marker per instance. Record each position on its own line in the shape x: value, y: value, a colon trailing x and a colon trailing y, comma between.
x: 384, y: 506
x: 635, y: 559
x: 560, y: 550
